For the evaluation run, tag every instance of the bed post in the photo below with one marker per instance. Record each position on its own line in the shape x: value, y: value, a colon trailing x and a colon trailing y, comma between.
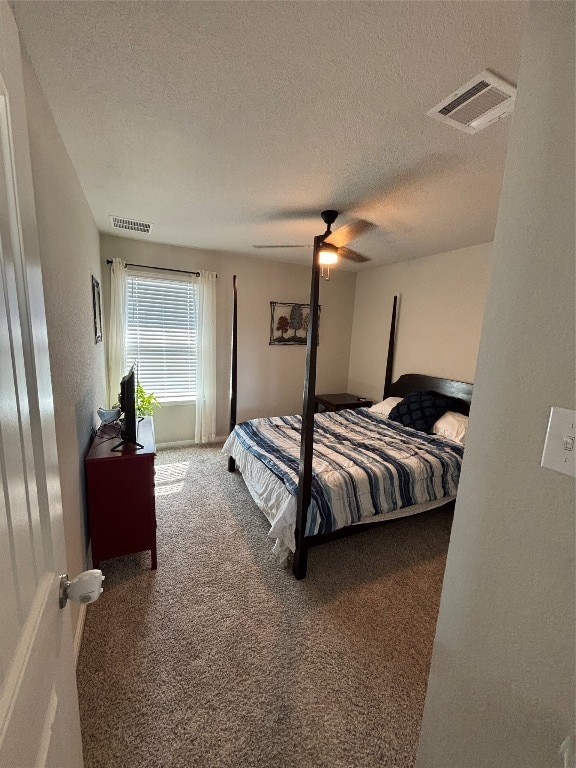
x: 308, y: 409
x: 391, y: 343
x: 233, y: 367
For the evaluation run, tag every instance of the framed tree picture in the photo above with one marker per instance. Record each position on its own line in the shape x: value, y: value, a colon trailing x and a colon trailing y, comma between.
x: 289, y: 323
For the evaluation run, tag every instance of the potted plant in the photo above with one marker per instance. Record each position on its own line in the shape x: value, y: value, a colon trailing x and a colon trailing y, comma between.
x: 145, y: 401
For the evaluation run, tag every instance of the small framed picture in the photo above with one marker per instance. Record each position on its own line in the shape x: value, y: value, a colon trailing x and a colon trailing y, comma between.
x: 289, y: 323
x: 97, y: 308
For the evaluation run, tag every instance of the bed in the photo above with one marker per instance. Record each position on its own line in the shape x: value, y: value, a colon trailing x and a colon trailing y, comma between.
x: 366, y: 469
x: 276, y: 485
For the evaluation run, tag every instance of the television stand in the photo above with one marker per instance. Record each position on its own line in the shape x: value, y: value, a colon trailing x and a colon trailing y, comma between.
x: 125, y: 442
x: 129, y: 442
x: 120, y: 494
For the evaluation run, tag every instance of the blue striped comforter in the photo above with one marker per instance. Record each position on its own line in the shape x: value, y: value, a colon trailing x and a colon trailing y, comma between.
x: 364, y: 464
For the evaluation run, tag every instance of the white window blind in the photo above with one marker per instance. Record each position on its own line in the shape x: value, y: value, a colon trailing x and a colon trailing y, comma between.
x: 161, y: 335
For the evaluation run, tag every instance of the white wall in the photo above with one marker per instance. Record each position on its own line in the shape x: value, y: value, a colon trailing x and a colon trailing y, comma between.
x: 70, y: 255
x: 501, y: 688
x: 440, y: 309
x: 270, y: 378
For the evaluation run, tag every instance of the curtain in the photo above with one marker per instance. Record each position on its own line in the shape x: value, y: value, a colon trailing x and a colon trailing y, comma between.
x: 206, y: 373
x: 117, y: 329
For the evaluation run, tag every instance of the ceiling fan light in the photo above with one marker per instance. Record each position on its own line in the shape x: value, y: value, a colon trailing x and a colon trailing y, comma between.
x: 328, y: 254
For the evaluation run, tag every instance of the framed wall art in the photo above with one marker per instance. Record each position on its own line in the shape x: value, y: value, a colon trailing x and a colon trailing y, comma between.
x: 289, y: 323
x: 97, y: 309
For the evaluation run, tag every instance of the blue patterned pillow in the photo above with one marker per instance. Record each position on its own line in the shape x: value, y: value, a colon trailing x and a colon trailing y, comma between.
x: 420, y: 410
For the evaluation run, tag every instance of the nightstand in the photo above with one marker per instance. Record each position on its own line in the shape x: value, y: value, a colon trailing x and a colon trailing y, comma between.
x: 340, y: 401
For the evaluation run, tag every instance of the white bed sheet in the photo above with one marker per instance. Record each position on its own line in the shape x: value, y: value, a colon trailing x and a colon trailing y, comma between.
x: 279, y: 506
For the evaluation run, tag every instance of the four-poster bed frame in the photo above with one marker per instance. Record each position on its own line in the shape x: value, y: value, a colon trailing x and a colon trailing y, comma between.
x: 234, y: 367
x: 461, y: 392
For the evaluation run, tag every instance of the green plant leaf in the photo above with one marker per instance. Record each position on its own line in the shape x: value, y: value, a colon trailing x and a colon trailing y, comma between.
x: 145, y: 401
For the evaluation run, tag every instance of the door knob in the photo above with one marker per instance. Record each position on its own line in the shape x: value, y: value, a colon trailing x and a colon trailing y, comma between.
x: 85, y: 588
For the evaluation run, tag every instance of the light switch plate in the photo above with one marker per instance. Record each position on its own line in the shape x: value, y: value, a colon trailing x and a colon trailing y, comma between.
x: 560, y: 446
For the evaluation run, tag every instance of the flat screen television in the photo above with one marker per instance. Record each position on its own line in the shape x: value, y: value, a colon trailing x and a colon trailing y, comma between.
x: 127, y: 398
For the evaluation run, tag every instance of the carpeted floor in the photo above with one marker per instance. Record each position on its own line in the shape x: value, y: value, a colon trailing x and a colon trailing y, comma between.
x: 221, y: 659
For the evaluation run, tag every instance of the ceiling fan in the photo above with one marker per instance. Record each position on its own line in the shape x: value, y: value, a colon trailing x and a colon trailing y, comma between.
x: 339, y: 238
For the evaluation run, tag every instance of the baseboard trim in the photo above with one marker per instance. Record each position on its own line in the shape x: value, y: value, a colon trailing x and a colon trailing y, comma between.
x: 178, y: 444
x: 79, y: 632
x: 188, y: 443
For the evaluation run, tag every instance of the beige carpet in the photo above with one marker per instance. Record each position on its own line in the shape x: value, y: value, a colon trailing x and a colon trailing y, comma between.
x: 221, y: 659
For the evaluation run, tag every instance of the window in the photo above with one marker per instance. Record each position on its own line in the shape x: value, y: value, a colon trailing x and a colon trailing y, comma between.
x: 161, y: 334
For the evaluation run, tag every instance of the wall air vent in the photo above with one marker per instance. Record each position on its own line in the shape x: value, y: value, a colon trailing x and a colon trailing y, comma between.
x: 478, y: 104
x: 135, y: 226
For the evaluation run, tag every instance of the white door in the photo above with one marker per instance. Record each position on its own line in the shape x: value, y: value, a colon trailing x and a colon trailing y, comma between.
x: 39, y: 721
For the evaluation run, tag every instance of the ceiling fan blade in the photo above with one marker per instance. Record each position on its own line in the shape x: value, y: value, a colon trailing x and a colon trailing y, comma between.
x: 346, y: 253
x: 347, y: 233
x: 293, y: 214
x: 282, y: 246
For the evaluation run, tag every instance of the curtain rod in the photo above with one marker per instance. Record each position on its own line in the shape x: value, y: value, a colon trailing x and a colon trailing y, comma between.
x: 163, y: 269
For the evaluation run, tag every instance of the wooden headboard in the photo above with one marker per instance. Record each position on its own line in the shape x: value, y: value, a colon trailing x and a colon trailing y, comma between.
x: 459, y: 391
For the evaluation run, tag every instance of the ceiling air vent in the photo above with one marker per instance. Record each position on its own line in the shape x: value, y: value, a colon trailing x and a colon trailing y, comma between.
x: 478, y: 104
x: 135, y: 226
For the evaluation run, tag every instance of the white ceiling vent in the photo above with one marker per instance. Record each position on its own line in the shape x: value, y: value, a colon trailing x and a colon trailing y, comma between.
x: 135, y: 226
x: 476, y: 105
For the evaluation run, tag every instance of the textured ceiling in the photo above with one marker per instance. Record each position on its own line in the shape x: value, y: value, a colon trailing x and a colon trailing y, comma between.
x: 228, y: 124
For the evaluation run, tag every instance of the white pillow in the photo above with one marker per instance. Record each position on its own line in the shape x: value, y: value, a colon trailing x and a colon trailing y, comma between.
x: 453, y: 426
x: 385, y: 406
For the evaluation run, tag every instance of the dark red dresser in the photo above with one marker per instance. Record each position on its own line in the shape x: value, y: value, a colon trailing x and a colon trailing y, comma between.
x: 120, y: 494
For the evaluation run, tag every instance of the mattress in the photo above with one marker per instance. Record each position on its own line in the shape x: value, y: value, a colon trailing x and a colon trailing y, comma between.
x: 366, y: 468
